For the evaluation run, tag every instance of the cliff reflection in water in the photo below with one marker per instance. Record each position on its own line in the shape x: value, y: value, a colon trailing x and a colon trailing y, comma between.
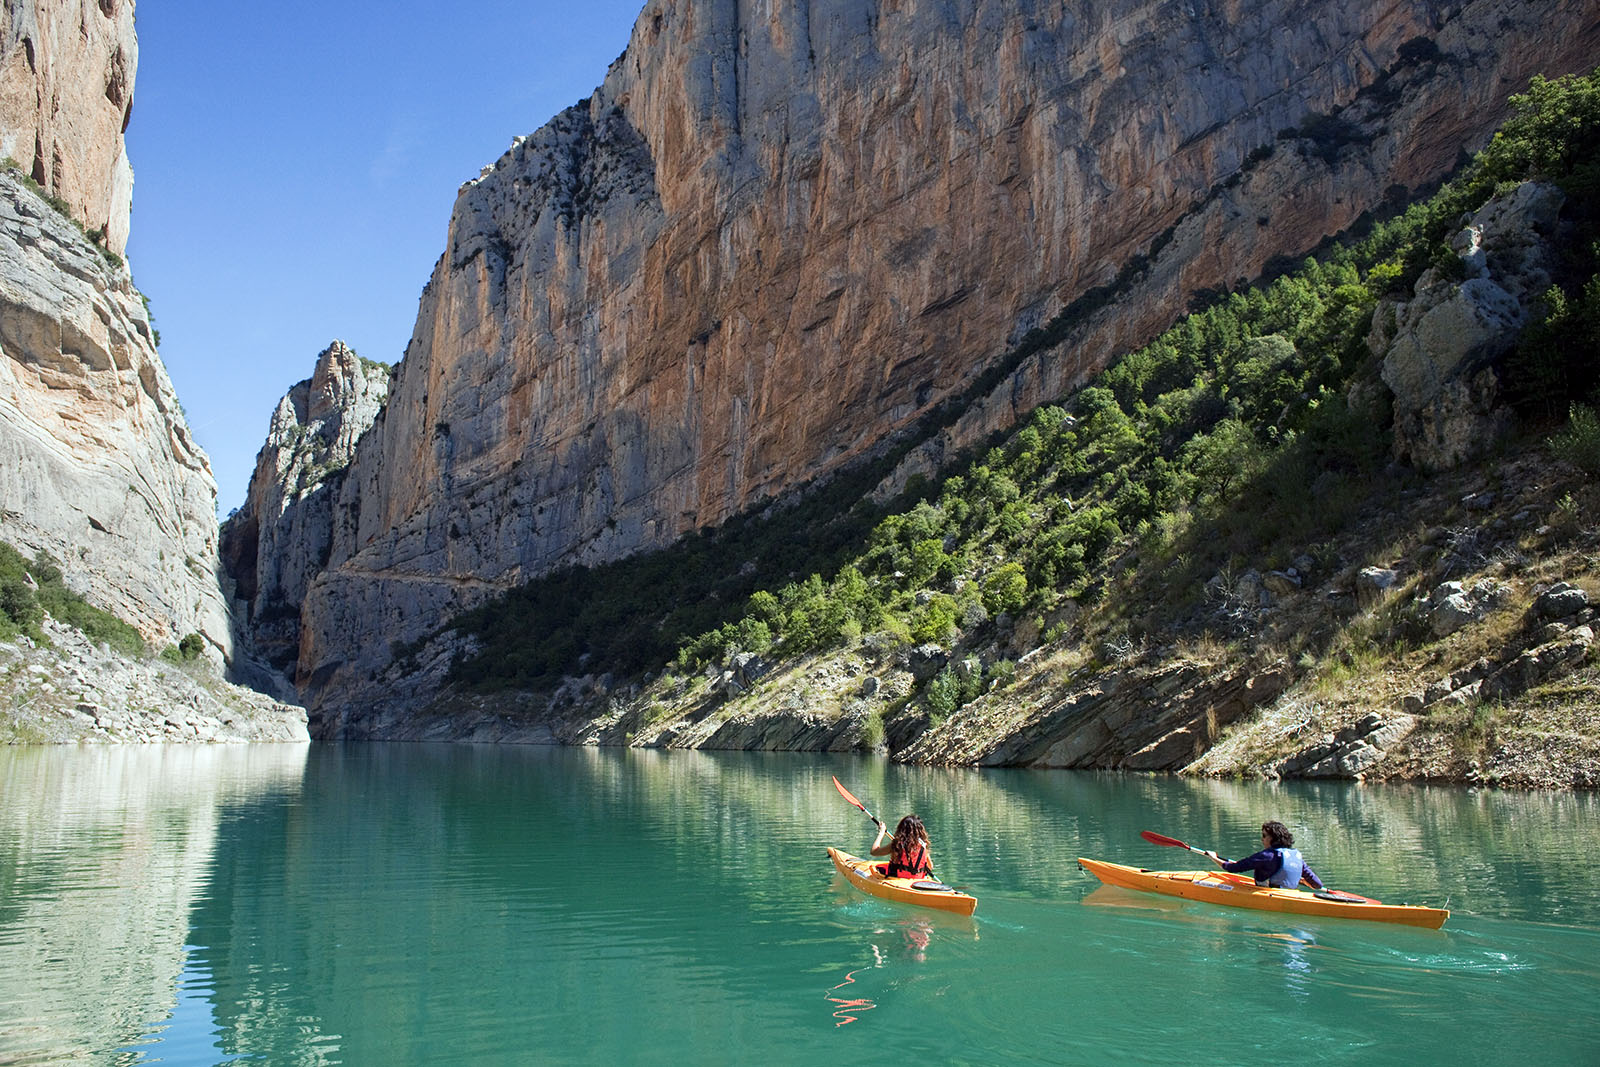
x: 421, y: 903
x: 104, y: 853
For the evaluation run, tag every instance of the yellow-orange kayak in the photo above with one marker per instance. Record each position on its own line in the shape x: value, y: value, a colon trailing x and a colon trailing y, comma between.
x: 1240, y: 891
x: 863, y: 874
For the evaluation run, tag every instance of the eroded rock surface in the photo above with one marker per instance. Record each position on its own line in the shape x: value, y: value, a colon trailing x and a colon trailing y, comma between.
x: 100, y: 468
x: 66, y: 93
x: 774, y: 237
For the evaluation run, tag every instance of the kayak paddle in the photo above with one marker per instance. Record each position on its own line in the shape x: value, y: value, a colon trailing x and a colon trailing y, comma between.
x: 851, y: 798
x: 1161, y: 839
x: 1328, y: 894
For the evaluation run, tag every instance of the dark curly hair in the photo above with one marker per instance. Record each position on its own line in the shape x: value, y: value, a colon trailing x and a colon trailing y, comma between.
x: 908, y: 835
x: 1277, y: 834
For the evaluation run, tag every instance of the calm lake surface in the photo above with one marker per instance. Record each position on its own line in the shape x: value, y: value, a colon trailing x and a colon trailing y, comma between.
x: 387, y: 904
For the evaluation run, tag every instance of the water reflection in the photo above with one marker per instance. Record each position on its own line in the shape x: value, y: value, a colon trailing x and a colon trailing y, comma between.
x: 415, y: 903
x: 847, y: 1005
x: 103, y: 854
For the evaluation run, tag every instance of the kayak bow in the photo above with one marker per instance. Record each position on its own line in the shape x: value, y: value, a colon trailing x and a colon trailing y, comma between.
x: 1241, y: 891
x: 863, y: 874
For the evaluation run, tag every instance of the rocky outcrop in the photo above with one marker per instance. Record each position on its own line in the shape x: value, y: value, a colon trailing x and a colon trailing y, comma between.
x: 1440, y: 349
x: 100, y: 468
x: 1350, y: 753
x: 71, y: 691
x: 281, y: 538
x: 66, y: 93
x: 1134, y: 718
x: 773, y: 238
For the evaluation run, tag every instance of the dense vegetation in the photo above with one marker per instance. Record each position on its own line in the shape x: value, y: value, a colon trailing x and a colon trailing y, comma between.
x: 1236, y: 435
x: 30, y: 589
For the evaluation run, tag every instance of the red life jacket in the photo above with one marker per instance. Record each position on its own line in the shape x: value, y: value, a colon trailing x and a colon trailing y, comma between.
x: 913, y: 865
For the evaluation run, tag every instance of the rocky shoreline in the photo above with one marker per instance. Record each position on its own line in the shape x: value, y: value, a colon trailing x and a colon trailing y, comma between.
x: 69, y: 690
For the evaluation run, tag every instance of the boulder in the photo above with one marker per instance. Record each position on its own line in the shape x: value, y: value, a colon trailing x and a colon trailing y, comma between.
x: 1560, y: 601
x: 924, y: 661
x: 1440, y: 356
x: 1373, y: 584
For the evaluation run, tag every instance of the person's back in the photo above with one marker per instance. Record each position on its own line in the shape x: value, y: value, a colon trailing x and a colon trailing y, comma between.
x: 907, y: 850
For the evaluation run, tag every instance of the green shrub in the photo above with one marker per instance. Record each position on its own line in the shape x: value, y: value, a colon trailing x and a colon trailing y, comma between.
x: 31, y: 589
x: 943, y: 693
x: 1005, y: 589
x: 872, y: 732
x: 1553, y: 133
x: 936, y: 622
x: 1579, y: 443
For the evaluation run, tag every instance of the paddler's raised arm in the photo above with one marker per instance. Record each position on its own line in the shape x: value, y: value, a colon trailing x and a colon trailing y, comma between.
x: 878, y: 847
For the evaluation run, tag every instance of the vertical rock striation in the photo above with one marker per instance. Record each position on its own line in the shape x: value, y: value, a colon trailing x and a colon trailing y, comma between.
x: 777, y: 235
x: 66, y: 94
x: 99, y: 467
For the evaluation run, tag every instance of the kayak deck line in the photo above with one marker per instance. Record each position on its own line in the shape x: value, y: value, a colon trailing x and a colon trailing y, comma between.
x: 864, y: 875
x: 1241, y: 891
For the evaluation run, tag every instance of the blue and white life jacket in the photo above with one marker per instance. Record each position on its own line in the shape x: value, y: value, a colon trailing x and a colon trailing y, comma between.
x: 1291, y: 865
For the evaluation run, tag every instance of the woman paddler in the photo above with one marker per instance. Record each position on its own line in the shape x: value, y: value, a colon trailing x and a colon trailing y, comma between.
x: 1278, y: 864
x: 907, y: 850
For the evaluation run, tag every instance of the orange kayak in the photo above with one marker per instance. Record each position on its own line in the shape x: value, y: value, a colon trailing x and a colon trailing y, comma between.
x: 1240, y: 891
x: 863, y: 874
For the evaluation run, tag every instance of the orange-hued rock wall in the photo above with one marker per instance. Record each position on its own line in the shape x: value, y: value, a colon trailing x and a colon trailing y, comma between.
x: 777, y: 234
x: 67, y: 70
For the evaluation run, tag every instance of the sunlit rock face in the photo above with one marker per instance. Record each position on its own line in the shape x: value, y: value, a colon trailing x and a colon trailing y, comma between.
x: 1439, y: 350
x: 66, y: 93
x: 281, y: 537
x: 777, y: 234
x: 99, y: 468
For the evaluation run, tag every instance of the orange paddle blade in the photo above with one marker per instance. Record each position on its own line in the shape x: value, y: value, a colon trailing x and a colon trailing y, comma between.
x: 1162, y: 839
x: 848, y: 795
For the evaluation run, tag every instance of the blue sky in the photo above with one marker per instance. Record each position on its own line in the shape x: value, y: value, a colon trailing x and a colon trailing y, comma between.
x: 295, y: 165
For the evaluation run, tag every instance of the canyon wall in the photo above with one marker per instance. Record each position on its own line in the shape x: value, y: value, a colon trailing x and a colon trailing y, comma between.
x: 777, y: 235
x: 66, y: 94
x: 99, y: 466
x: 280, y: 539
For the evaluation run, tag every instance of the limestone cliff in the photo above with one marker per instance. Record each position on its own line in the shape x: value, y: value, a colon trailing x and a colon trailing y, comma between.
x: 281, y: 537
x: 100, y: 468
x: 776, y: 236
x: 66, y: 94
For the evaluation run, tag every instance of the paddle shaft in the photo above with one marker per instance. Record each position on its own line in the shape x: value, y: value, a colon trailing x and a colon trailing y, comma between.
x: 851, y: 797
x: 1172, y: 842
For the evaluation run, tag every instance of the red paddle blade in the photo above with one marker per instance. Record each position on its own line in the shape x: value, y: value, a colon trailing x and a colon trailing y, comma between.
x: 1161, y: 839
x: 848, y: 795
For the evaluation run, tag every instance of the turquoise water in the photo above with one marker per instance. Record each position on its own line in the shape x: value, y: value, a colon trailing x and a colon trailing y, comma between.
x: 388, y: 904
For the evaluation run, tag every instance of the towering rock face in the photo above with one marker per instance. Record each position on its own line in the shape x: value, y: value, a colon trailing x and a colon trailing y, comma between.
x: 99, y: 467
x: 778, y: 234
x: 281, y: 537
x: 66, y: 93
